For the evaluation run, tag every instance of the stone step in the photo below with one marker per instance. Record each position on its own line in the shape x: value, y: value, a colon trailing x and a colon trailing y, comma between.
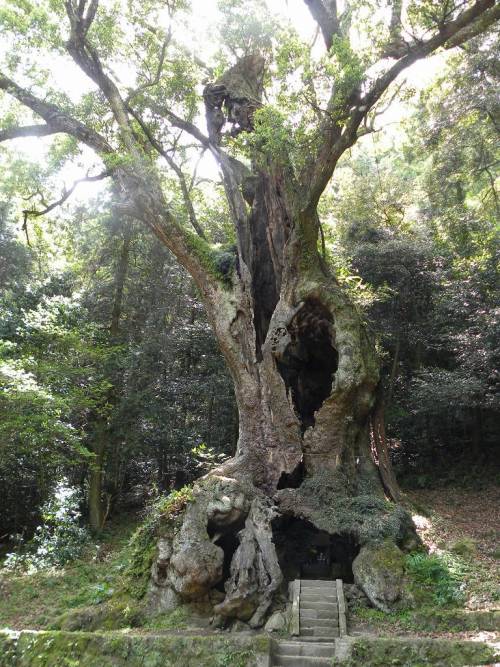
x: 318, y: 623
x: 319, y: 613
x: 319, y: 639
x: 323, y: 595
x: 319, y: 632
x: 318, y: 606
x: 317, y: 583
x: 305, y: 649
x: 301, y: 661
x: 307, y: 599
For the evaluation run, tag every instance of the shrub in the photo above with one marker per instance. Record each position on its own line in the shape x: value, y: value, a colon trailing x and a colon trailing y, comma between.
x: 59, y: 539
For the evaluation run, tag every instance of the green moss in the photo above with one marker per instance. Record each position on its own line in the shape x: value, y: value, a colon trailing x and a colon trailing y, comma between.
x: 218, y: 261
x: 418, y: 653
x: 163, y: 518
x: 173, y: 620
x: 72, y: 649
x: 121, y: 612
x: 429, y: 619
x: 455, y: 620
x: 389, y: 557
x: 338, y: 508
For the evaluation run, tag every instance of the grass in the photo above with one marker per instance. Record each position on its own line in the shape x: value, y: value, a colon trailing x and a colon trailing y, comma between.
x: 436, y: 579
x: 36, y: 600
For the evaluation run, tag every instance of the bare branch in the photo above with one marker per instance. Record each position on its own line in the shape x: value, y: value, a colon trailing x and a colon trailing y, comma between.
x: 34, y: 213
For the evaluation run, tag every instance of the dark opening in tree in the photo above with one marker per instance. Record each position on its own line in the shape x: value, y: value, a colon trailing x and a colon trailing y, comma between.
x: 310, y: 360
x: 294, y: 479
x: 225, y: 537
x: 304, y: 552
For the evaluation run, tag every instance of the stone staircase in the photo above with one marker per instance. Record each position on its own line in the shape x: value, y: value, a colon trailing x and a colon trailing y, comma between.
x: 318, y: 622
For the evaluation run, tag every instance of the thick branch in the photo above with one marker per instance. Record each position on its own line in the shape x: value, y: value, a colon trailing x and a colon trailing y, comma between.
x: 56, y: 119
x: 324, y: 12
x: 22, y: 131
x: 87, y: 58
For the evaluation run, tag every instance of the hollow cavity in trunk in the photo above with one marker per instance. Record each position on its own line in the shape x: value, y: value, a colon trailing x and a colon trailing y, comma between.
x: 310, y: 360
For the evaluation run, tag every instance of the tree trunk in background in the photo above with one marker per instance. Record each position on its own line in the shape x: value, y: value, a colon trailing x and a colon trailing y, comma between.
x: 100, y: 443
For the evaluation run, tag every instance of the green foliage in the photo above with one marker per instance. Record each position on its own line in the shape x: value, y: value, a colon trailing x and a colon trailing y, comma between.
x: 59, y: 539
x: 272, y: 134
x: 346, y: 68
x: 436, y: 576
x: 246, y: 28
x: 50, y: 597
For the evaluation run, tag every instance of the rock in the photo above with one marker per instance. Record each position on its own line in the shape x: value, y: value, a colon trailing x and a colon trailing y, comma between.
x: 355, y: 596
x: 239, y: 626
x: 162, y: 599
x: 379, y: 571
x: 276, y: 622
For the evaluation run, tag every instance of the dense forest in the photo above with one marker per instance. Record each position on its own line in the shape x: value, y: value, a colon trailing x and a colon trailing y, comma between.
x: 249, y: 301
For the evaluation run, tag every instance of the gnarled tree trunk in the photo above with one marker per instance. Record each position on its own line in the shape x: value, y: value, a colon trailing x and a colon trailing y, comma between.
x: 305, y: 376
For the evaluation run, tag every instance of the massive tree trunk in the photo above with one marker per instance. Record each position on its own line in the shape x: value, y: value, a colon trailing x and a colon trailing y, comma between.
x: 305, y: 376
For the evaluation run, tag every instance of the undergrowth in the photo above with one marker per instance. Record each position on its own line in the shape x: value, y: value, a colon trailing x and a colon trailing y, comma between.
x: 437, y: 579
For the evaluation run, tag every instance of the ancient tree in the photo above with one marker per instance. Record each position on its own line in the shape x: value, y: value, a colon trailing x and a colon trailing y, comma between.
x: 310, y: 456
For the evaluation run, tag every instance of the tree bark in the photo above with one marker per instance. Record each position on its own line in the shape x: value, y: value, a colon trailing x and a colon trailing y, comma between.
x: 305, y: 376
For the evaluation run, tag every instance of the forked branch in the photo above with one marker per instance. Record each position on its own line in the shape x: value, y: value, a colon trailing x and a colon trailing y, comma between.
x: 335, y: 138
x: 65, y: 196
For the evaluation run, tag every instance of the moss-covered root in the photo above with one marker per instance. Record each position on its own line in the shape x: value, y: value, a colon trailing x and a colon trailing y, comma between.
x: 417, y: 653
x: 80, y: 649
